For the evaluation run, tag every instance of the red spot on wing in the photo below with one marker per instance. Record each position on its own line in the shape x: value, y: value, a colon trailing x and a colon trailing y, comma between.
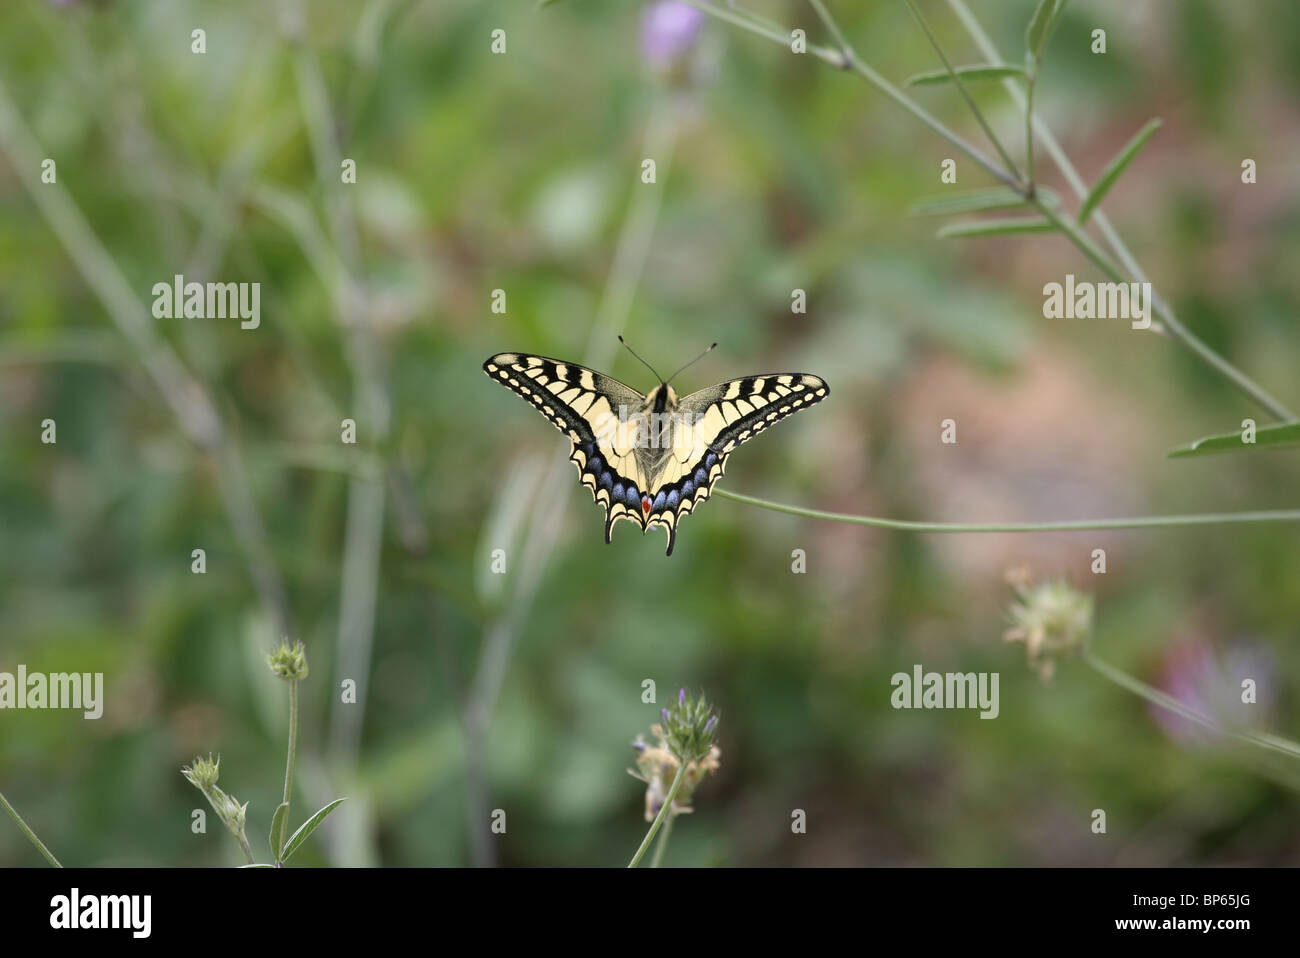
x: 645, y: 504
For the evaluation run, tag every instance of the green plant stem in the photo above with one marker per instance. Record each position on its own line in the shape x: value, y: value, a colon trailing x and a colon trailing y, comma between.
x: 1070, y: 525
x: 831, y: 26
x: 1081, y: 240
x: 1130, y: 264
x: 663, y: 813
x: 961, y: 87
x: 293, y: 751
x: 663, y: 841
x: 31, y: 835
x: 1085, y: 244
x: 1165, y: 701
x: 1030, y: 80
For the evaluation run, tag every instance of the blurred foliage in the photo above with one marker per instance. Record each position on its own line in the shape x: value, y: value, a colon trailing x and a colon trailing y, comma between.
x: 516, y: 171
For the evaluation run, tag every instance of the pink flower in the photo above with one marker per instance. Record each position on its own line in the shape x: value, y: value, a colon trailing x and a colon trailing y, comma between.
x: 668, y: 29
x: 1212, y: 686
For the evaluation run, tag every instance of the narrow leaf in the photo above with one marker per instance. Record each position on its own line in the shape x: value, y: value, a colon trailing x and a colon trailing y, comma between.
x: 1266, y: 437
x: 277, y: 830
x: 968, y: 201
x: 309, y: 826
x: 258, y: 865
x: 1117, y: 166
x: 1026, y: 224
x: 1036, y: 33
x: 978, y: 71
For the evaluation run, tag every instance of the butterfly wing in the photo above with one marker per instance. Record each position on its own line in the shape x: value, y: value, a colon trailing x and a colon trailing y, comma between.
x: 585, y: 405
x: 713, y: 423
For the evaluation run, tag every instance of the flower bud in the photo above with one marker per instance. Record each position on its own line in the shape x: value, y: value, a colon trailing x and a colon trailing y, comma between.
x: 203, y: 774
x: 1053, y: 619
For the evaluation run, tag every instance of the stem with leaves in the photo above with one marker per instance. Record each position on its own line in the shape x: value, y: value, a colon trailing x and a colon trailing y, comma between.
x: 1046, y: 17
x: 1130, y: 264
x: 965, y: 95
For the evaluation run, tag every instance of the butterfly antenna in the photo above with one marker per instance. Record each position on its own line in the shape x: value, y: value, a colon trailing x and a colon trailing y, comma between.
x: 692, y: 362
x: 643, y: 362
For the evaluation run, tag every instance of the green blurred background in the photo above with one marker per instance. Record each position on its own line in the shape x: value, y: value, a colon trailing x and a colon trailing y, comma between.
x: 521, y: 172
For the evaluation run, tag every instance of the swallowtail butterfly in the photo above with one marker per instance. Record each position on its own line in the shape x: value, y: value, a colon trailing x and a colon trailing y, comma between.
x: 651, y: 459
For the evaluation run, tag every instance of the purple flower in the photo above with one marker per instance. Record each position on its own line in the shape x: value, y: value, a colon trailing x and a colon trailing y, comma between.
x: 1212, y: 686
x: 668, y: 28
x: 664, y: 714
x: 681, y: 697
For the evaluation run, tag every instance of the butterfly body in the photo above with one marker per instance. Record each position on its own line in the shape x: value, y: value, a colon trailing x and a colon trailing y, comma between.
x: 651, y: 458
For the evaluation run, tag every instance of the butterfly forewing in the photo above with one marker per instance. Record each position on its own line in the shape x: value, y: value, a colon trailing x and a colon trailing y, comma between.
x: 736, y: 411
x: 597, y: 413
x: 607, y: 421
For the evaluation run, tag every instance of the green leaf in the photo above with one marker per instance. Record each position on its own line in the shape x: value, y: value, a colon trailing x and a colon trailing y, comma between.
x: 277, y: 830
x: 257, y: 865
x: 968, y: 201
x: 978, y: 71
x: 1266, y: 437
x: 976, y: 201
x: 1037, y: 32
x: 998, y: 227
x: 1117, y: 166
x: 309, y: 826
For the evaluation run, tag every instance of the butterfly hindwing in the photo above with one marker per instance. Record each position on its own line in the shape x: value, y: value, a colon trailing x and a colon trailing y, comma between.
x: 680, y: 490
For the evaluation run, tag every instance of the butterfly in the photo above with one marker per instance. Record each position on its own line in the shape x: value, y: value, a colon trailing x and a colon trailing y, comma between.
x: 653, y: 458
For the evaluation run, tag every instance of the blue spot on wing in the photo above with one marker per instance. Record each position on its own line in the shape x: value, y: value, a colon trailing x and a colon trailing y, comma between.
x: 659, y: 501
x: 687, y: 488
x: 618, y: 490
x: 710, y: 459
x: 673, y: 499
x: 633, y: 496
x: 605, y: 480
x: 700, y: 476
